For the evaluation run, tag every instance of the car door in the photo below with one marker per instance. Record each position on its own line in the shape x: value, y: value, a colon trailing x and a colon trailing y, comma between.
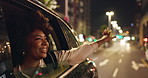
x: 87, y: 68
x: 61, y: 38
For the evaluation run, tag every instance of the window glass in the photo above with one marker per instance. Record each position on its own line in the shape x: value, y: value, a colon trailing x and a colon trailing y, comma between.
x: 60, y: 66
x: 52, y: 43
x: 71, y: 38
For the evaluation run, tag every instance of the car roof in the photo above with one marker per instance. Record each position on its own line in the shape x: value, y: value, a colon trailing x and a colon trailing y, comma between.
x: 28, y: 3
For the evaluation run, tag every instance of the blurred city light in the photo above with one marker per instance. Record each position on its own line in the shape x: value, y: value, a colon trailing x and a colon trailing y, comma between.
x: 109, y: 14
x: 113, y: 22
x: 118, y: 28
x: 115, y: 25
x: 132, y: 24
x: 51, y: 4
x: 127, y: 32
x: 114, y: 39
x: 7, y: 43
x: 145, y: 39
x: 95, y: 40
x: 126, y: 38
x: 81, y: 38
x: 122, y: 42
x: 120, y: 31
x: 133, y: 38
x: 119, y: 36
x: 128, y: 44
x: 90, y: 39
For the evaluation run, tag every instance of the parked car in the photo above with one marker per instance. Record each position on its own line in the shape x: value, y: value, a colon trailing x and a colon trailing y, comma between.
x: 62, y: 38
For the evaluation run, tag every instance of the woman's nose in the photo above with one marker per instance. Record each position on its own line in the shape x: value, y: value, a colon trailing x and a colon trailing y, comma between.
x: 45, y: 42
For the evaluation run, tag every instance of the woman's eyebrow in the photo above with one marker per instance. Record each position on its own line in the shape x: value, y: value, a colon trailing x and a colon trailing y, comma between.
x: 39, y: 36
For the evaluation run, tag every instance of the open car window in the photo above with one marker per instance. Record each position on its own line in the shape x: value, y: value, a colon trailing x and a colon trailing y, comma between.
x: 11, y: 13
x: 61, y: 37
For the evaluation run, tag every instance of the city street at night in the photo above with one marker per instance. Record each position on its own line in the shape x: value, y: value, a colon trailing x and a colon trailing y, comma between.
x: 122, y: 60
x: 73, y: 38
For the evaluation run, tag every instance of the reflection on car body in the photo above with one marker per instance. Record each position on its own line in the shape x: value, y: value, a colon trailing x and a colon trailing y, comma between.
x: 62, y: 38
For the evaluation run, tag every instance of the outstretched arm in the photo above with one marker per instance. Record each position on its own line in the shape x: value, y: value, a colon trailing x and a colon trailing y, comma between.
x: 79, y: 54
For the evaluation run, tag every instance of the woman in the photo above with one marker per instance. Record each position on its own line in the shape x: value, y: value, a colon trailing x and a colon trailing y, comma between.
x: 35, y: 46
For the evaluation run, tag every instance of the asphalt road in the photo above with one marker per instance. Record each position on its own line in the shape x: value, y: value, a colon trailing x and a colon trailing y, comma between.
x: 122, y: 60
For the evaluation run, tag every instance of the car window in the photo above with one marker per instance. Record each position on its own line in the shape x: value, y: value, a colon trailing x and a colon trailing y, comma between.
x: 58, y: 39
x: 61, y: 67
x: 52, y: 43
x: 71, y: 38
x: 51, y: 69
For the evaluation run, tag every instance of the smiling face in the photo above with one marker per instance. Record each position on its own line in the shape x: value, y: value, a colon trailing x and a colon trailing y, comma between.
x: 37, y: 45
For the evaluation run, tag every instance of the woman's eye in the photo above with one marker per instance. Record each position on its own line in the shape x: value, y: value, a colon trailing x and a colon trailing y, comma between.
x: 37, y: 38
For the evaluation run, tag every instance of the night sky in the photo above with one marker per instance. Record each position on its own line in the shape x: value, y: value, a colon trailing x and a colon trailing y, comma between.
x: 124, y: 11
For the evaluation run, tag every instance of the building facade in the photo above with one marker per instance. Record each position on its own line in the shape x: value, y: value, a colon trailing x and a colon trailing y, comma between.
x: 77, y: 13
x: 143, y: 22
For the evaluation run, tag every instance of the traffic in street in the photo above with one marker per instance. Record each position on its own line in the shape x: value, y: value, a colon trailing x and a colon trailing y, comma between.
x: 121, y: 60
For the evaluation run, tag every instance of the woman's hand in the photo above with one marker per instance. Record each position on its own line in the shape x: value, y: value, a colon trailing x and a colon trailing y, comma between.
x: 106, y: 37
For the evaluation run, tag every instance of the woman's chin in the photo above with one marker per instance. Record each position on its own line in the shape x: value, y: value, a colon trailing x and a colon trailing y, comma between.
x: 44, y: 56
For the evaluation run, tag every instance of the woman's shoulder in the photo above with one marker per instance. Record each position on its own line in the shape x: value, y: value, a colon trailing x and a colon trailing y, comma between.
x: 16, y: 69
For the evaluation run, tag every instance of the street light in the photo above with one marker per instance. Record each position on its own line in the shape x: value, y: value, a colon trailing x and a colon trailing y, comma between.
x: 109, y: 14
x: 114, y: 25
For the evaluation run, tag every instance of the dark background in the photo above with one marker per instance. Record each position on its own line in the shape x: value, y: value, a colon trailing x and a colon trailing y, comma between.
x: 124, y: 11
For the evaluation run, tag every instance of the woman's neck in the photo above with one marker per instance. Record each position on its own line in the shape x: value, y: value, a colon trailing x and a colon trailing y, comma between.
x: 30, y: 63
